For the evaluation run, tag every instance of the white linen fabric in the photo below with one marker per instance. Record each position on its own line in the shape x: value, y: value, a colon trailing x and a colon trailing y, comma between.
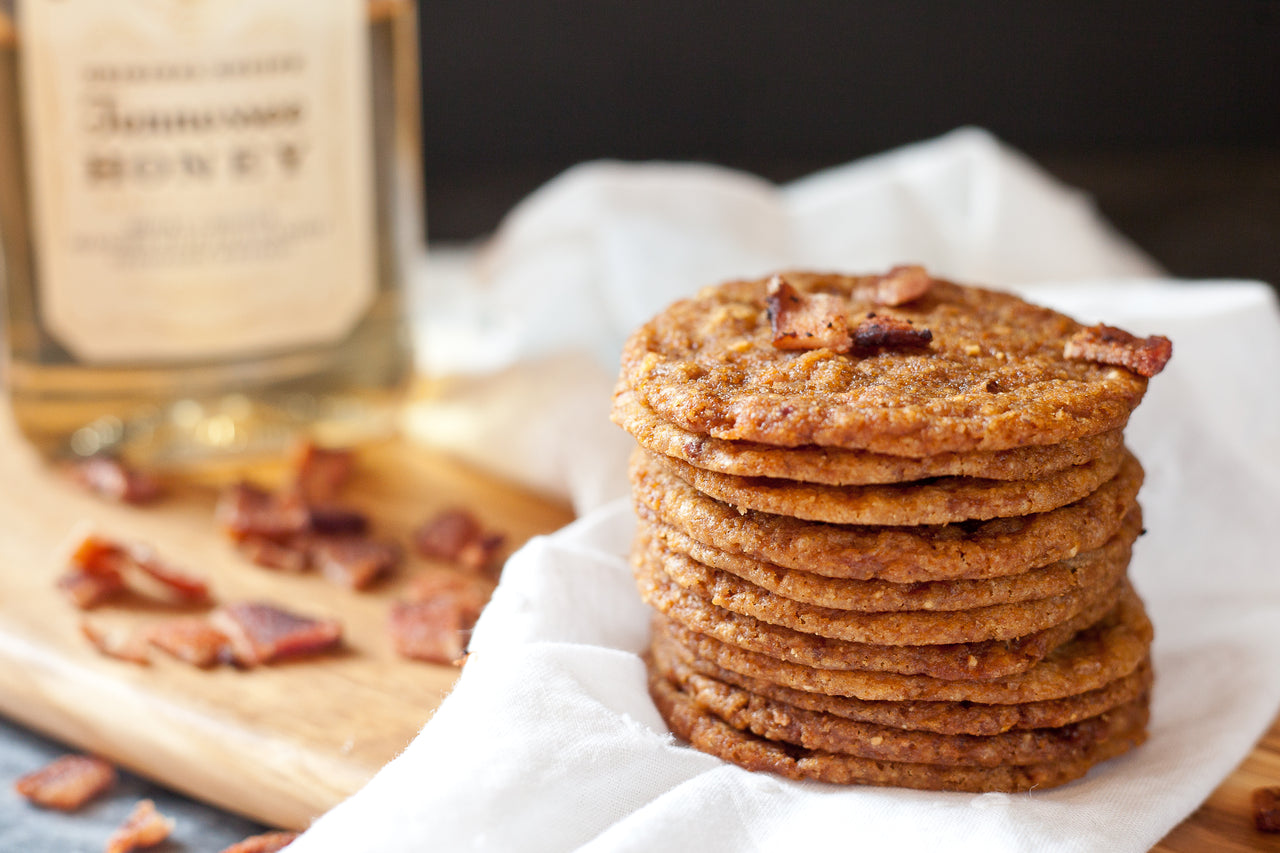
x: 549, y: 742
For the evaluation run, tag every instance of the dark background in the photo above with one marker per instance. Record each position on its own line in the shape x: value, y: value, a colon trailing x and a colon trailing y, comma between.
x: 1167, y: 112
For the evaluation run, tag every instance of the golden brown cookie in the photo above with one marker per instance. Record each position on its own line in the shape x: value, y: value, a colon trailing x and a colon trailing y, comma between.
x: 988, y: 659
x: 1003, y: 621
x: 709, y: 733
x: 777, y: 721
x: 937, y: 501
x: 876, y: 596
x: 966, y: 550
x: 840, y: 467
x: 993, y: 377
x: 1111, y: 648
x: 968, y: 718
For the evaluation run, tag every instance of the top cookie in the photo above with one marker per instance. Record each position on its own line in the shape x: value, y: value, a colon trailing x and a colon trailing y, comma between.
x: 994, y: 375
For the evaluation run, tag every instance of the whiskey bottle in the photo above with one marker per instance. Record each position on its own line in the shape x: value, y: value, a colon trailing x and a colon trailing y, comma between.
x: 207, y: 212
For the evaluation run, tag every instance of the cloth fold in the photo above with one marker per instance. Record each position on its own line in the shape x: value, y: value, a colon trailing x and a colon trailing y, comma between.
x: 549, y: 742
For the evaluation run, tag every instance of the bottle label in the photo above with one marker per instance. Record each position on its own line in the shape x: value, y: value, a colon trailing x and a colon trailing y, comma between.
x: 200, y: 173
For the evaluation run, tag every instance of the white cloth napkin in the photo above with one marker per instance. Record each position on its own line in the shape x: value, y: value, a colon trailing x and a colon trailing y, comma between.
x: 549, y: 742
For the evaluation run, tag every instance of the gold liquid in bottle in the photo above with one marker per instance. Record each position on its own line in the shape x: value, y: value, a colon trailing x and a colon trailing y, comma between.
x: 181, y: 283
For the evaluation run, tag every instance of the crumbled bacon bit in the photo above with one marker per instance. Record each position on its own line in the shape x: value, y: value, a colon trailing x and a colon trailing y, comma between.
x: 1109, y: 345
x: 145, y: 827
x: 261, y: 633
x: 129, y: 645
x: 111, y: 478
x: 88, y: 589
x: 900, y: 285
x: 454, y: 535
x: 185, y: 586
x: 321, y: 472
x: 67, y: 783
x: 284, y: 557
x: 245, y: 510
x: 353, y: 562
x: 267, y: 842
x: 190, y: 639
x: 1266, y: 809
x: 330, y: 520
x: 434, y: 625
x: 876, y: 331
x: 806, y: 321
x: 100, y: 566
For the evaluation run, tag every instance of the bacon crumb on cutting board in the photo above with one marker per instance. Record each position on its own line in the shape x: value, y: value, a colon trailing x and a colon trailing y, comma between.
x: 260, y: 633
x: 435, y: 623
x: 144, y: 827
x: 245, y: 510
x: 127, y: 644
x: 190, y: 639
x: 352, y: 561
x: 267, y: 842
x: 320, y: 473
x: 456, y: 536
x: 67, y: 783
x: 100, y: 569
x: 111, y: 478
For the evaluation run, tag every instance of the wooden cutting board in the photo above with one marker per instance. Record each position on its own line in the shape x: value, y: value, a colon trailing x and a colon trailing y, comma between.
x: 280, y: 743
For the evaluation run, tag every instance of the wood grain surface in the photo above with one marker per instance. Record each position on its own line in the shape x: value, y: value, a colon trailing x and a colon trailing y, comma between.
x: 283, y: 743
x: 279, y: 743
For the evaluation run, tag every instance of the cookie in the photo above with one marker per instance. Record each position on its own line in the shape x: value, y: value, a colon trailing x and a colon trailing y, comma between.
x: 876, y: 596
x: 994, y: 376
x: 991, y: 659
x: 1109, y: 649
x: 840, y: 467
x: 969, y: 718
x: 778, y: 721
x: 966, y: 550
x: 1003, y: 621
x: 937, y: 501
x: 710, y: 734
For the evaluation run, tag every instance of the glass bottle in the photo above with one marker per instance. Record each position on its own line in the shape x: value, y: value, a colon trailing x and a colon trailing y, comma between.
x: 207, y: 212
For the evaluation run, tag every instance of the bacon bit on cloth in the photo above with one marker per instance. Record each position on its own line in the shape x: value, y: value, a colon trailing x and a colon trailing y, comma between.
x: 267, y: 842
x: 111, y: 478
x: 434, y: 624
x: 876, y: 330
x: 145, y: 827
x: 898, y: 286
x: 260, y: 633
x: 129, y: 645
x: 351, y: 561
x: 191, y: 639
x: 1109, y: 345
x: 806, y: 321
x: 454, y: 535
x: 67, y: 783
x: 319, y: 473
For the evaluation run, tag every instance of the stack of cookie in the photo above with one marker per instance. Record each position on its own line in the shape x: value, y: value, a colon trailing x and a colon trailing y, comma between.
x: 885, y: 523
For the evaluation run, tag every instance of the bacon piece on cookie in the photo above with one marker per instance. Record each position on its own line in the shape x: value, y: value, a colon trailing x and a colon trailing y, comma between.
x: 875, y: 331
x: 804, y: 321
x: 145, y: 827
x: 1109, y: 345
x: 898, y: 286
x: 267, y: 842
x: 111, y: 478
x: 261, y: 633
x: 67, y: 783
